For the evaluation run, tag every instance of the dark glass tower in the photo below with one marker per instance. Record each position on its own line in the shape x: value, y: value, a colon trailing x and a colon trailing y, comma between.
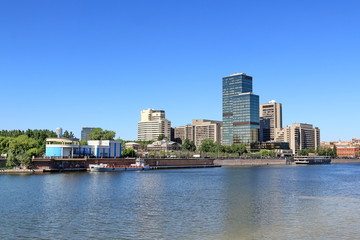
x: 240, y: 110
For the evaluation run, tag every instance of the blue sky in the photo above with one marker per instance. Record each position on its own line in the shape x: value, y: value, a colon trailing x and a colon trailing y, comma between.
x: 80, y: 63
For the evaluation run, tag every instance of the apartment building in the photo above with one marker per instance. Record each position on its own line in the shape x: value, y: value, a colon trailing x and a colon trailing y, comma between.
x: 152, y: 124
x: 299, y: 136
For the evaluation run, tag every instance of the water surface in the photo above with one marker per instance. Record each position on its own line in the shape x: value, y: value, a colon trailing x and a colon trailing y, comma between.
x: 277, y: 202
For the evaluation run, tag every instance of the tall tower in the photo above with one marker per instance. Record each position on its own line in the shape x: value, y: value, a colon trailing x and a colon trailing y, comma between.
x: 152, y: 124
x: 59, y: 132
x: 270, y: 119
x: 240, y: 110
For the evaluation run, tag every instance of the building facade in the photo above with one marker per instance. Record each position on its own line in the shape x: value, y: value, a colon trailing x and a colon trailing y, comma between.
x: 152, y: 124
x: 199, y: 130
x: 71, y: 148
x: 299, y: 136
x: 344, y: 149
x: 270, y: 119
x: 240, y: 110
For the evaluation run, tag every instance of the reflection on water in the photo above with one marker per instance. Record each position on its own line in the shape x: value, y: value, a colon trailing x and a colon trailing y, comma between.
x: 284, y: 202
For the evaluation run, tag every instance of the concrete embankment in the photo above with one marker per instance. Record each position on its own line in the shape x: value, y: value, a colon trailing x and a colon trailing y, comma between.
x: 250, y: 162
x: 25, y: 171
x: 345, y: 160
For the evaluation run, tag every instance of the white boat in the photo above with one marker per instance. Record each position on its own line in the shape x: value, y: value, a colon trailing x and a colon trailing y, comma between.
x: 312, y: 160
x: 103, y: 167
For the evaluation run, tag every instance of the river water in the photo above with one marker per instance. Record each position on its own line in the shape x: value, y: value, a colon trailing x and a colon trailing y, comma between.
x: 275, y: 202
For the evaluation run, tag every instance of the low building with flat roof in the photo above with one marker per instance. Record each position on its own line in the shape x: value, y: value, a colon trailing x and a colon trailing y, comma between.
x: 71, y: 148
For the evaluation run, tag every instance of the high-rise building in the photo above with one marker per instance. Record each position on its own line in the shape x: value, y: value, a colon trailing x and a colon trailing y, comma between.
x: 199, y: 130
x: 240, y: 110
x: 152, y: 124
x: 299, y: 136
x: 270, y: 119
x: 85, y: 133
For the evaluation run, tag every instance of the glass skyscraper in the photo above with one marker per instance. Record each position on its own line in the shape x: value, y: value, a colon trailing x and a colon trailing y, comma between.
x: 240, y: 110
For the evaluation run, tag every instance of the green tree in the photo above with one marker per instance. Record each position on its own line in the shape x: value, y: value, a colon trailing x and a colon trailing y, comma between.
x: 129, y: 152
x: 239, y: 148
x: 67, y: 134
x: 108, y: 135
x: 99, y: 134
x: 189, y: 145
x: 21, y: 149
x: 326, y: 151
x: 306, y: 151
x: 267, y: 153
x: 161, y: 137
x: 208, y: 145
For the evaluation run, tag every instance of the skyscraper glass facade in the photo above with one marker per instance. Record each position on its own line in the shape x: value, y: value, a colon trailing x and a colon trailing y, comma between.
x: 240, y: 110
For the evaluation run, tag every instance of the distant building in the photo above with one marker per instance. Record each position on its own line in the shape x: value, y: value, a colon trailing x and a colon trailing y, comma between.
x: 152, y: 124
x: 199, y: 130
x: 164, y: 145
x: 299, y: 136
x: 85, y: 133
x: 132, y: 145
x: 71, y: 148
x: 270, y: 120
x: 59, y: 132
x: 240, y: 110
x: 344, y: 149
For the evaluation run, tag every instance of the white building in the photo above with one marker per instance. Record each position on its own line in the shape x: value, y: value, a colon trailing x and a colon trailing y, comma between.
x: 152, y: 124
x: 70, y: 148
x: 299, y: 136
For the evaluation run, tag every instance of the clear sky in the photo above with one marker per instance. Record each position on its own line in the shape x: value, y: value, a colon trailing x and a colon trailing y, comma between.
x: 74, y: 63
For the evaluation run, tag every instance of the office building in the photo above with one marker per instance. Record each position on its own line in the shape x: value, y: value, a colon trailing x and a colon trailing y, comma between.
x: 199, y: 130
x: 85, y: 133
x: 153, y: 124
x: 270, y: 119
x: 299, y: 136
x: 240, y: 110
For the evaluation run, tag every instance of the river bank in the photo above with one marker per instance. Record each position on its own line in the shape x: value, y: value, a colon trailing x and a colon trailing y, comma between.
x: 184, y: 163
x: 272, y: 161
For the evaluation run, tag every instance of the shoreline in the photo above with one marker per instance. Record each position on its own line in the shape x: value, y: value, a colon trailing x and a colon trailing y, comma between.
x: 216, y: 163
x: 272, y: 162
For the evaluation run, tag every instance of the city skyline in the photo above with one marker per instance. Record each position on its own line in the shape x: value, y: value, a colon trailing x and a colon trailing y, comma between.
x: 75, y: 64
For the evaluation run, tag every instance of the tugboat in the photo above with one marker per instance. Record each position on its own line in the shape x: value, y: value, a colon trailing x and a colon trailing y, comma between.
x: 137, y: 166
x: 312, y: 160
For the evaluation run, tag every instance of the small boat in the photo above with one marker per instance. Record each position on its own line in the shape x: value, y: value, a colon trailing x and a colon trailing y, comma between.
x: 312, y: 160
x: 102, y: 167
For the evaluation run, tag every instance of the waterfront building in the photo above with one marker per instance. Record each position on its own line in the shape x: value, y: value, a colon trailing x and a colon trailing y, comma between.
x: 85, y: 133
x: 71, y: 148
x: 270, y: 119
x: 344, y: 149
x: 59, y: 132
x: 132, y: 145
x: 163, y: 145
x: 199, y: 130
x: 240, y: 110
x: 152, y: 124
x: 299, y: 136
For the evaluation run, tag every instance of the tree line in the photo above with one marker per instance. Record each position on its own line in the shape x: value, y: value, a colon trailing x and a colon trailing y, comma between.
x: 20, y: 146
